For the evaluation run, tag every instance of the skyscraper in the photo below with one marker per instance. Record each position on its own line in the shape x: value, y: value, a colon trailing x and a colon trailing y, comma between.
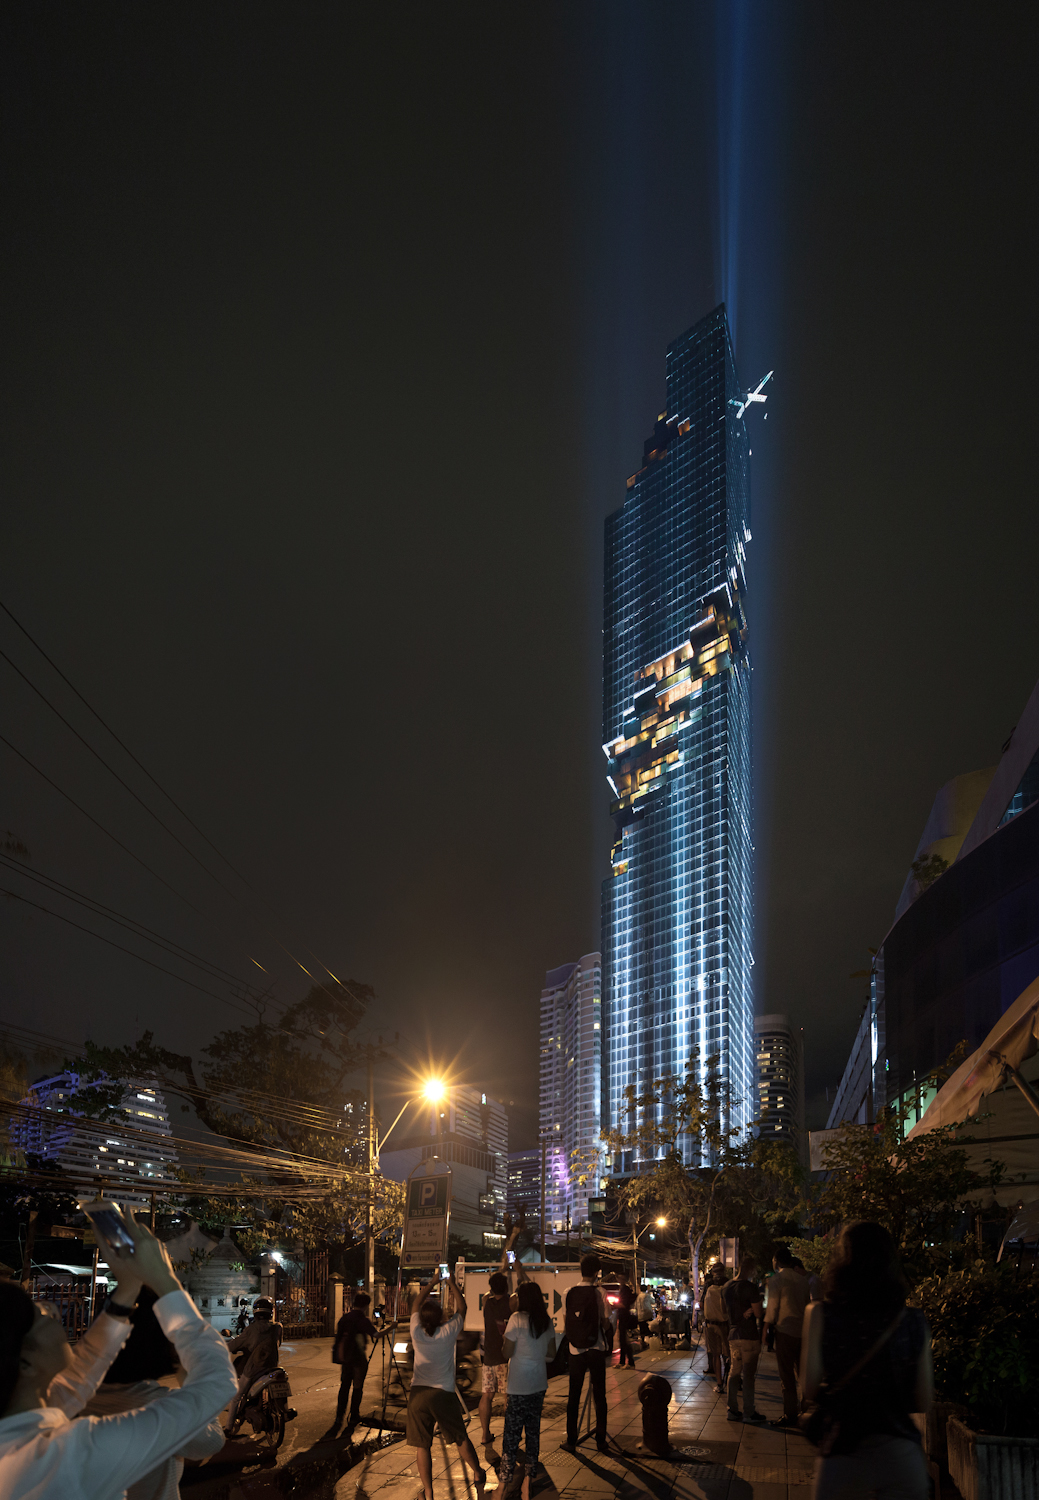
x: 779, y: 1061
x: 677, y: 914
x: 571, y: 1087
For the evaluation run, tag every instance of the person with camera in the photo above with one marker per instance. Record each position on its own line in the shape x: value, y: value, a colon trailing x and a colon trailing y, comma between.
x: 433, y: 1400
x: 353, y: 1332
x: 44, y: 1382
x: 585, y: 1320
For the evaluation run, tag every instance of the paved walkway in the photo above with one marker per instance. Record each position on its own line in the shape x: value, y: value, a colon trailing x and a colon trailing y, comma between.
x: 727, y: 1461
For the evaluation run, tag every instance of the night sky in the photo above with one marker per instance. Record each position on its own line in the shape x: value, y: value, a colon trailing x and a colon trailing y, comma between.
x: 329, y: 337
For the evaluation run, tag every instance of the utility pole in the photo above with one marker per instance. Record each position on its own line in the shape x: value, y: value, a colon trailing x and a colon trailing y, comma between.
x: 544, y: 1174
x: 369, y: 1225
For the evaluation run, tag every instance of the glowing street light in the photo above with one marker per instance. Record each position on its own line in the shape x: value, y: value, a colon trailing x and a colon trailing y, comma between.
x: 434, y: 1090
x: 661, y: 1223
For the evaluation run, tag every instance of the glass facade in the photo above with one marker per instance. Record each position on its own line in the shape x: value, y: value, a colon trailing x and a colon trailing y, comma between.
x: 571, y: 1087
x: 677, y: 913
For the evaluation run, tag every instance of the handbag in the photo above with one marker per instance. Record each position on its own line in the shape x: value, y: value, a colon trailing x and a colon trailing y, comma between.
x: 821, y: 1425
x: 607, y: 1336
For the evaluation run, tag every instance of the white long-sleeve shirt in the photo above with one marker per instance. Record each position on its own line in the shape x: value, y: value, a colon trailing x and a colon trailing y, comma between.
x: 46, y: 1456
x: 162, y: 1483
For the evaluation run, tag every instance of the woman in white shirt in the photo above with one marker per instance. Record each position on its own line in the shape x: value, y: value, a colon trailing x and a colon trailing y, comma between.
x: 529, y: 1345
x: 43, y: 1382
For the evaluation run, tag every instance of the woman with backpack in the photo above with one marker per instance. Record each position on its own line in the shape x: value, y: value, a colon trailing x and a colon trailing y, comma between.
x: 529, y: 1345
x: 866, y: 1360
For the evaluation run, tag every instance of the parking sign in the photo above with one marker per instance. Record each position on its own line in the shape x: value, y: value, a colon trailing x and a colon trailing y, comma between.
x: 427, y: 1215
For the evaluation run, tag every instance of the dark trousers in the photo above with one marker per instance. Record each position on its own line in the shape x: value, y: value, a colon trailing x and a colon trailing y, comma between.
x: 594, y: 1361
x: 624, y: 1326
x: 351, y: 1372
x: 788, y: 1358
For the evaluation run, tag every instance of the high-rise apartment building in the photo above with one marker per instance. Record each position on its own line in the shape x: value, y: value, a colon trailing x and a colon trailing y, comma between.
x: 779, y: 1072
x: 677, y: 915
x: 126, y: 1159
x: 571, y: 1087
x: 523, y: 1195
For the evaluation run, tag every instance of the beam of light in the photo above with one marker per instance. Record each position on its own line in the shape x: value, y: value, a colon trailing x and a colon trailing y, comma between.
x: 731, y: 29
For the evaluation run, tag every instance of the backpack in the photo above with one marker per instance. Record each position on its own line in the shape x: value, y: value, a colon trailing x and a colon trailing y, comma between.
x: 582, y: 1317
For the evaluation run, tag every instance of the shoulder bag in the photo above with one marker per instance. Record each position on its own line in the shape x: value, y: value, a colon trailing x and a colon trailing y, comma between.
x: 822, y: 1424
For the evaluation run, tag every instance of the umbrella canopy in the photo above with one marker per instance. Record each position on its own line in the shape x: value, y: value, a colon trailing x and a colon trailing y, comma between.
x: 1013, y: 1039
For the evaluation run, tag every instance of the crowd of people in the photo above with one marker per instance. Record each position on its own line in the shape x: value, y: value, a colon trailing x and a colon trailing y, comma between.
x: 851, y: 1355
x: 93, y: 1421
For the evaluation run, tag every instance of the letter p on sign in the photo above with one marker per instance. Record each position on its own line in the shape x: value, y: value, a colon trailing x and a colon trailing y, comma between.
x: 427, y: 1194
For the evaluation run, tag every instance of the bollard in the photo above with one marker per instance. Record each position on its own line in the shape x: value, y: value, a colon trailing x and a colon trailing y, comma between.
x: 655, y: 1395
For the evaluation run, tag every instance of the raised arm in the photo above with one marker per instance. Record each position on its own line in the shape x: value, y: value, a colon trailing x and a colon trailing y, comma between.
x: 454, y: 1291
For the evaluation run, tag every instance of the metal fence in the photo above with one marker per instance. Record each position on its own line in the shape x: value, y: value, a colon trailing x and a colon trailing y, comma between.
x: 302, y: 1304
x: 71, y: 1299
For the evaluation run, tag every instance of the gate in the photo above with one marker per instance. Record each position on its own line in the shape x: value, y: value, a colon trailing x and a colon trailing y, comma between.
x: 71, y: 1301
x: 302, y: 1302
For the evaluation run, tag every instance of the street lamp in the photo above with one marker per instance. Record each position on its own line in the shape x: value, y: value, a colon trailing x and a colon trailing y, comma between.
x: 636, y: 1234
x: 433, y: 1090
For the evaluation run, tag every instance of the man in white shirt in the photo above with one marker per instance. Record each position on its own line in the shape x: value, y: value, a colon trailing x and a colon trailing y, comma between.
x: 788, y: 1294
x: 433, y: 1400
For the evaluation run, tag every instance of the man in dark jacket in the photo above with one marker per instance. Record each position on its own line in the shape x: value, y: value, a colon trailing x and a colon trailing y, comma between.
x: 353, y: 1331
x: 260, y: 1342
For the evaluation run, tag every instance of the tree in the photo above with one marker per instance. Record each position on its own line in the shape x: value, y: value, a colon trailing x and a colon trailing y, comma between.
x: 916, y: 1189
x: 269, y: 1089
x: 928, y: 869
x: 743, y: 1186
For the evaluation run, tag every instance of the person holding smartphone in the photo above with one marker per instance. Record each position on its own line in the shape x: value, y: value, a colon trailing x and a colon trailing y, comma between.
x: 44, y: 1383
x: 433, y: 1400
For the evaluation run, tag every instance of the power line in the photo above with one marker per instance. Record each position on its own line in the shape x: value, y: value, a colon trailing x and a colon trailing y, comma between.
x: 108, y: 834
x: 112, y: 944
x: 177, y: 950
x: 140, y: 765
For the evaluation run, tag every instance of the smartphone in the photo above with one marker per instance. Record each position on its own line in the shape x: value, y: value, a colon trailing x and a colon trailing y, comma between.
x: 445, y: 1270
x: 512, y: 1257
x: 110, y: 1221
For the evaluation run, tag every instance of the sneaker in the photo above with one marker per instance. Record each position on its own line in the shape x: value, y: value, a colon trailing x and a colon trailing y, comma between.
x: 720, y: 1390
x: 734, y: 1416
x: 602, y: 1445
x: 568, y: 1447
x: 755, y: 1416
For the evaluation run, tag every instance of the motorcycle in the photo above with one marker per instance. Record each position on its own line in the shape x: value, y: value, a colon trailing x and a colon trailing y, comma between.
x: 265, y: 1406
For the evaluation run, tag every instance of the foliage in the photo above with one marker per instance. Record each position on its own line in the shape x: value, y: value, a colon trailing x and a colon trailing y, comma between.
x: 813, y: 1254
x: 749, y: 1187
x: 270, y: 1088
x: 985, y: 1340
x: 928, y: 869
x: 916, y: 1188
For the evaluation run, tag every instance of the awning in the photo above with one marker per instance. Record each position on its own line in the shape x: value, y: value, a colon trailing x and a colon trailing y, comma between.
x: 1013, y: 1039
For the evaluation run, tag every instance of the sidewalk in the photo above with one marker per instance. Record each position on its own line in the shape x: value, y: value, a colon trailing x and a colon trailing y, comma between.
x: 727, y: 1460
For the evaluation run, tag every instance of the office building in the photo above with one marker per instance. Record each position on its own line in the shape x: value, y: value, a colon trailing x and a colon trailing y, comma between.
x: 964, y: 944
x: 571, y: 1088
x: 127, y: 1159
x: 677, y: 913
x: 523, y: 1194
x: 779, y: 1073
x: 469, y: 1131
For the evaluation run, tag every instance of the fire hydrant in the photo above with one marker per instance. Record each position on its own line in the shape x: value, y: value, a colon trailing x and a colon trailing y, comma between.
x: 655, y: 1395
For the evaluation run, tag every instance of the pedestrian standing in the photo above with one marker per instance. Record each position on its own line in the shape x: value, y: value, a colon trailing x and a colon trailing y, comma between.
x: 433, y: 1400
x: 625, y: 1321
x: 646, y: 1311
x: 529, y: 1345
x: 353, y: 1331
x: 585, y: 1318
x: 716, y: 1328
x: 786, y: 1300
x: 743, y: 1303
x: 495, y: 1368
x: 874, y: 1355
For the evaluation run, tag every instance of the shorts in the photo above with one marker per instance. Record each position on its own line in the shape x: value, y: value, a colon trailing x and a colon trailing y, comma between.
x: 494, y: 1380
x: 429, y: 1406
x: 717, y: 1338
